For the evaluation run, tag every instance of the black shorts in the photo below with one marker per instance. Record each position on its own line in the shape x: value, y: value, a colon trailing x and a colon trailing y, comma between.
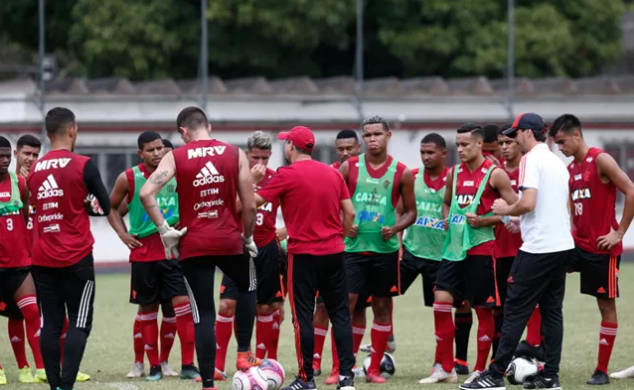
x: 502, y: 271
x: 599, y: 273
x: 10, y: 280
x: 156, y: 281
x: 372, y: 275
x: 267, y: 271
x: 471, y: 280
x: 411, y: 266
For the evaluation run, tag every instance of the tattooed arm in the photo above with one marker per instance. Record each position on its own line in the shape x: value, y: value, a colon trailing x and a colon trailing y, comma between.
x: 163, y: 173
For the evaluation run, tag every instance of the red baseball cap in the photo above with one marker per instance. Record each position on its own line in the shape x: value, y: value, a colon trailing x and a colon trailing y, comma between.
x: 300, y: 136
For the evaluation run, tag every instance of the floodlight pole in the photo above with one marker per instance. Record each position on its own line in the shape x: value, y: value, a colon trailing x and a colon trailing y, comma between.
x: 510, y: 60
x: 204, y: 65
x: 359, y: 60
x: 41, y: 81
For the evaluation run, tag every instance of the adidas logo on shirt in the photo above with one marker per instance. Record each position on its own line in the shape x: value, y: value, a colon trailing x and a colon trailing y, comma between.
x: 49, y: 188
x: 208, y: 175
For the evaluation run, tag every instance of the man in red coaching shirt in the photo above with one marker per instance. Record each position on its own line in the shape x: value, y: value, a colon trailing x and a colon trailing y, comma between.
x: 60, y: 184
x: 313, y: 197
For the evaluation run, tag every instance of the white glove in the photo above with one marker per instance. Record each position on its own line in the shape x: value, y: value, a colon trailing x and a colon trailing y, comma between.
x: 92, y: 206
x: 170, y: 238
x: 250, y: 246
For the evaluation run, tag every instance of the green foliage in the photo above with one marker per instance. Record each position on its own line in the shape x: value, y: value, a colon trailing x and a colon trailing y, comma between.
x: 144, y: 39
x: 276, y: 38
x: 129, y: 38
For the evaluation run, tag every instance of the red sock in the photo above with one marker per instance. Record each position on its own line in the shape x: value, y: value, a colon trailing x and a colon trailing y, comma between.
x: 357, y: 337
x: 263, y: 335
x: 378, y: 335
x: 224, y: 326
x: 16, y: 337
x: 137, y: 337
x: 486, y: 330
x: 335, y: 355
x: 534, y: 328
x: 185, y: 328
x: 607, y: 334
x: 443, y: 324
x: 62, y: 340
x: 275, y: 335
x: 31, y: 314
x: 150, y: 337
x: 320, y: 339
x: 167, y: 334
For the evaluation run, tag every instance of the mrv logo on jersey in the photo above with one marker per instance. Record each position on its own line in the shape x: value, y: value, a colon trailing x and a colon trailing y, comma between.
x: 49, y: 188
x: 208, y: 175
x: 206, y: 151
x: 53, y: 163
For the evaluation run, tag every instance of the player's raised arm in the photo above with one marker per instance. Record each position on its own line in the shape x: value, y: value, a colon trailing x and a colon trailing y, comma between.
x: 163, y: 173
x: 115, y: 218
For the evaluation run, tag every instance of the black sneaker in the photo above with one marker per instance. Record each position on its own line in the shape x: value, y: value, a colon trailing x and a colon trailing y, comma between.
x: 156, y: 374
x: 461, y: 369
x: 598, y: 378
x: 189, y: 371
x: 346, y: 383
x: 541, y: 382
x: 486, y: 380
x: 299, y: 384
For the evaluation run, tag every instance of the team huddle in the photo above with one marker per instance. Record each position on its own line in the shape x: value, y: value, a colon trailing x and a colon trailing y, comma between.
x: 495, y: 234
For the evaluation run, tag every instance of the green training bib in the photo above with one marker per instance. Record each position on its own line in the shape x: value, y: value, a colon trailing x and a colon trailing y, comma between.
x: 461, y: 236
x: 15, y: 202
x: 140, y: 223
x: 426, y: 236
x: 372, y: 200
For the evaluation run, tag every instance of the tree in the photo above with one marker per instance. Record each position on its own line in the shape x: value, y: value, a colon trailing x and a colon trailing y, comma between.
x: 463, y: 37
x: 277, y: 38
x: 143, y: 39
x: 135, y: 38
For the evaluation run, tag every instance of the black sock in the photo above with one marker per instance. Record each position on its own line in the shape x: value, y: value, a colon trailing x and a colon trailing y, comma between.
x: 463, y: 323
x: 245, y: 315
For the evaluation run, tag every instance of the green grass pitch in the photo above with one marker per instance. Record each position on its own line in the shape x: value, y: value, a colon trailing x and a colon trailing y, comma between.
x: 109, y: 352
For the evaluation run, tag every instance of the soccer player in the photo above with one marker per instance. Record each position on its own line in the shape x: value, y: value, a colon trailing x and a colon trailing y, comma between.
x: 154, y: 279
x: 313, y: 198
x: 424, y: 239
x: 212, y: 176
x: 61, y: 183
x: 167, y: 145
x: 594, y: 179
x: 490, y: 146
x: 17, y: 290
x: 467, y: 270
x: 27, y: 152
x: 377, y: 183
x: 508, y: 239
x: 269, y: 291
